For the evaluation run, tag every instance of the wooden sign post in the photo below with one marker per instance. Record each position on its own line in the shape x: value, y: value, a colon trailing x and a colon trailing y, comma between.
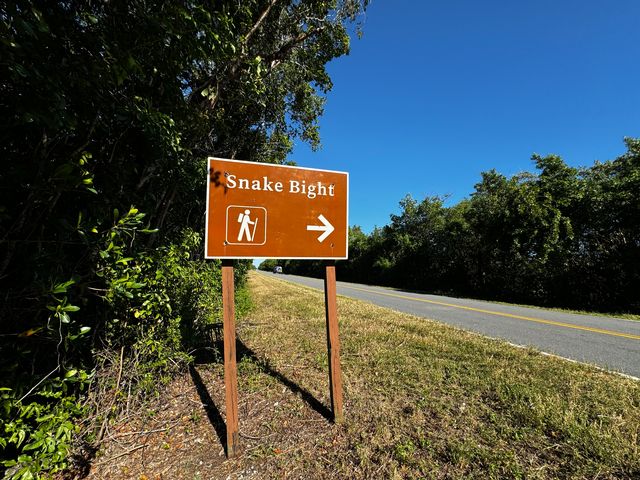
x: 333, y: 341
x: 257, y: 210
x: 230, y: 369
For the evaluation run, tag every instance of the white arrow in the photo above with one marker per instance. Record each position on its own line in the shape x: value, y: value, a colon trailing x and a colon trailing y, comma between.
x: 327, y: 228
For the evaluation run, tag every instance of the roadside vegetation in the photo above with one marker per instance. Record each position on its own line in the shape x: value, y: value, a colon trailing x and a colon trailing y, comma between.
x: 559, y: 237
x: 422, y: 400
x: 108, y: 111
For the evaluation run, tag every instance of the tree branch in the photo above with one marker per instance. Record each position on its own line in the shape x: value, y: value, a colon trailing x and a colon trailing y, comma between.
x: 259, y: 22
x: 279, y: 55
x: 37, y: 384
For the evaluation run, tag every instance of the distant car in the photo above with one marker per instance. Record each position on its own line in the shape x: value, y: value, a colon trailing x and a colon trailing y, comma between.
x: 277, y: 269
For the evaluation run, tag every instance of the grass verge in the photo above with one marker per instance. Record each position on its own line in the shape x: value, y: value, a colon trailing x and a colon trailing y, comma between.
x: 422, y: 400
x: 426, y: 400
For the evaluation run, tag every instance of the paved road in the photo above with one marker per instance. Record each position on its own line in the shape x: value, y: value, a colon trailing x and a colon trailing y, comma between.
x: 611, y: 343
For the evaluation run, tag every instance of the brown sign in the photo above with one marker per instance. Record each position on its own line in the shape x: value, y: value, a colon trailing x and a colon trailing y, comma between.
x: 260, y: 210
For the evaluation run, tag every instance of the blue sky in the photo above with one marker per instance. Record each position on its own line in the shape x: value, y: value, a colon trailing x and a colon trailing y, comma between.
x: 437, y: 92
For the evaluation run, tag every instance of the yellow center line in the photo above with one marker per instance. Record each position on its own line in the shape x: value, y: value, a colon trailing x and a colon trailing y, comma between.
x: 501, y: 314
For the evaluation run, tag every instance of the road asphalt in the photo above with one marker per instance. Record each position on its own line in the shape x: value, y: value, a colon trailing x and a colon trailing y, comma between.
x: 607, y: 342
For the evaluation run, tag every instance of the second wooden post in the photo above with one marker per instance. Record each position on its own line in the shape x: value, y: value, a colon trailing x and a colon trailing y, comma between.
x: 230, y: 369
x: 333, y: 341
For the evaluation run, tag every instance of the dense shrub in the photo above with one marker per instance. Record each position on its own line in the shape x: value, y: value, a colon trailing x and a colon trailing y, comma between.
x: 105, y: 105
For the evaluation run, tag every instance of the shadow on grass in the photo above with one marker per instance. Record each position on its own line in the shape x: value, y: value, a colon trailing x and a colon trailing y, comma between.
x: 263, y: 364
x: 210, y: 407
x: 214, y: 355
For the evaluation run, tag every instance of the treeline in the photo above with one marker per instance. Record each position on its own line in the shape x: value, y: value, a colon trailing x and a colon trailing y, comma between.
x: 561, y: 236
x: 108, y: 111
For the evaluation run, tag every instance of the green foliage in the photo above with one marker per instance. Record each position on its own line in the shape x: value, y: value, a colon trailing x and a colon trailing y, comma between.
x: 105, y: 105
x: 561, y: 237
x: 269, y: 264
x: 148, y: 293
x: 36, y: 435
x: 163, y: 303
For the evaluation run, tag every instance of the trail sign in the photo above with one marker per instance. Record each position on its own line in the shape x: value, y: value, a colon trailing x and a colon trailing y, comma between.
x: 275, y: 211
x: 259, y: 210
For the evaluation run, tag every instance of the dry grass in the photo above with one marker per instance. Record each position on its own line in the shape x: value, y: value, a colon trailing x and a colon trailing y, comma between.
x: 427, y: 400
x: 422, y: 400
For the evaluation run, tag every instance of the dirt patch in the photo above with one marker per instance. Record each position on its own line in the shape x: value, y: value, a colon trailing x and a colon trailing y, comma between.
x: 181, y: 435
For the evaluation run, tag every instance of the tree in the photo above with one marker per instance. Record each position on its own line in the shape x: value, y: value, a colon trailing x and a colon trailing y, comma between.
x: 606, y: 249
x: 107, y: 112
x: 560, y: 236
x: 105, y: 105
x: 268, y: 264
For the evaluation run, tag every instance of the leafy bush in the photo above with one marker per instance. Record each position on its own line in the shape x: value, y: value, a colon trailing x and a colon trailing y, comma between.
x: 157, y: 306
x: 111, y: 104
x: 38, y: 434
x: 162, y: 302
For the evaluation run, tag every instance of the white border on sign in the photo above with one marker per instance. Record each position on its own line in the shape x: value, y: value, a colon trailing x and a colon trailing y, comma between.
x: 240, y: 257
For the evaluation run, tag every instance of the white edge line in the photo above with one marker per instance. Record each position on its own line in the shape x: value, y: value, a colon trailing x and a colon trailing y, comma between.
x: 346, y: 247
x: 276, y: 165
x: 206, y: 213
x: 578, y: 362
x: 498, y: 339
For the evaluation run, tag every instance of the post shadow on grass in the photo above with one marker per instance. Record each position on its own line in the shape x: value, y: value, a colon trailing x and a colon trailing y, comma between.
x: 210, y: 407
x: 243, y: 351
x: 214, y: 355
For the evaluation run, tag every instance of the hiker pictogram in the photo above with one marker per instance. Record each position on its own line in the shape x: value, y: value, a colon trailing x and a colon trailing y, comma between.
x: 244, y: 219
x: 246, y: 225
